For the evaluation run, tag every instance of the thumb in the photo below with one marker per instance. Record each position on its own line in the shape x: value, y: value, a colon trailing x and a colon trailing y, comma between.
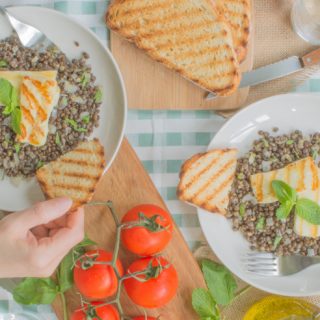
x: 43, y: 213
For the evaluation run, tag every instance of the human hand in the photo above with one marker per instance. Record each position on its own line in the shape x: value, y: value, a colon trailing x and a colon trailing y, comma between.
x: 34, y: 241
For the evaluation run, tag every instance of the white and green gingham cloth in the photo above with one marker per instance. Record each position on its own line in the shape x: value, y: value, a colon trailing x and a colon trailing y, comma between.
x: 162, y: 140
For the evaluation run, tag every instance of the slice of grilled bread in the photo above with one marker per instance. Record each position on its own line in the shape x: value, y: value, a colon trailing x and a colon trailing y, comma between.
x: 74, y: 174
x: 238, y: 14
x: 188, y: 36
x: 206, y: 179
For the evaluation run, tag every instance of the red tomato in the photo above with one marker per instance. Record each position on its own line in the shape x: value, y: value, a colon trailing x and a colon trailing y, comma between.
x: 98, y: 281
x: 107, y: 312
x: 147, y: 239
x: 156, y: 291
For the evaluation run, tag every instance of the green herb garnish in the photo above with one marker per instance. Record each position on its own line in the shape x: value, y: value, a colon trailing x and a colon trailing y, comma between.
x: 314, y: 154
x: 98, y: 96
x: 74, y: 125
x: 276, y: 242
x: 242, y: 209
x: 3, y: 63
x: 289, y: 142
x: 260, y: 224
x: 289, y: 202
x: 17, y: 147
x: 57, y: 139
x: 86, y: 118
x: 265, y: 143
x: 39, y: 164
x: 240, y: 176
x: 10, y: 100
x: 85, y: 79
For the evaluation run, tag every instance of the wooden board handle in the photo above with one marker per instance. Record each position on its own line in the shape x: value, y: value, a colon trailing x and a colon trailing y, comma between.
x: 311, y: 58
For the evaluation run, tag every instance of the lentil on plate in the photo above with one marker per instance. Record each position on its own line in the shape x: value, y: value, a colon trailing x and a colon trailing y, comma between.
x: 258, y: 222
x: 71, y: 121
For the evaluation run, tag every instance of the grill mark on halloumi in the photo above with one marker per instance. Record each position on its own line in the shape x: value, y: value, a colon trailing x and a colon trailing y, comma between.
x: 34, y: 103
x: 296, y: 174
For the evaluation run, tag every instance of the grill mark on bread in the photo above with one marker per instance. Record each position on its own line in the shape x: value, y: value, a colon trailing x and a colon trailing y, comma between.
x: 145, y: 9
x: 77, y: 174
x: 220, y: 188
x: 143, y: 28
x: 79, y: 162
x: 226, y: 166
x: 198, y: 39
x: 164, y: 32
x: 202, y: 172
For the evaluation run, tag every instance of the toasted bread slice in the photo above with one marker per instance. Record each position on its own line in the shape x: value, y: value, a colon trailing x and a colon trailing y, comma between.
x: 74, y: 174
x: 188, y: 36
x: 238, y: 14
x: 206, y: 179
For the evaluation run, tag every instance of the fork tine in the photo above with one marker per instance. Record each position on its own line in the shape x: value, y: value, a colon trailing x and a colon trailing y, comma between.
x: 261, y: 255
x: 263, y: 272
x: 261, y: 266
x: 258, y: 260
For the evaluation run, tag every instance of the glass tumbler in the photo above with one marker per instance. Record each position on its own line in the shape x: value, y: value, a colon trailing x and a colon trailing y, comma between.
x: 305, y: 18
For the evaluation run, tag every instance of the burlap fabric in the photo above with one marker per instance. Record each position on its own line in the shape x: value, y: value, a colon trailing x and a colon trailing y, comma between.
x: 274, y: 40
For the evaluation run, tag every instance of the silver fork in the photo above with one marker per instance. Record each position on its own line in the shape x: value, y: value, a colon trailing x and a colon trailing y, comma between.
x: 28, y: 35
x: 267, y: 264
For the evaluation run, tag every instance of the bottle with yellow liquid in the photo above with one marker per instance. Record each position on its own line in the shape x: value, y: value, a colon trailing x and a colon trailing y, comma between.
x: 282, y: 308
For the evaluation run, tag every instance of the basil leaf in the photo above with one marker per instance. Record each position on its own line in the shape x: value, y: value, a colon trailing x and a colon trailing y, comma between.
x: 5, y: 92
x: 3, y: 63
x: 308, y: 210
x: 283, y: 191
x: 284, y: 210
x: 16, y: 120
x: 260, y: 224
x: 35, y: 291
x: 220, y: 282
x: 204, y: 304
x: 98, y: 96
x: 65, y: 271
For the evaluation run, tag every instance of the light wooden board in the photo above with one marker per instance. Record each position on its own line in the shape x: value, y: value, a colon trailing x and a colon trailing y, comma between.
x: 150, y: 85
x: 127, y: 184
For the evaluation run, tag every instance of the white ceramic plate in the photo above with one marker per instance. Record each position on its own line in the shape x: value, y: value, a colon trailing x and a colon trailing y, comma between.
x: 64, y: 31
x: 287, y: 112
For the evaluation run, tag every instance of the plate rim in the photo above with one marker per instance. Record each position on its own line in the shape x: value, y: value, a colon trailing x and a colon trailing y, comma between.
x: 201, y: 211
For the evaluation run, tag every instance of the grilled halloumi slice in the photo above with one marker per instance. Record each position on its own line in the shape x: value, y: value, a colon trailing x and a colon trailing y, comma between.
x: 206, y: 179
x: 302, y: 227
x: 302, y: 175
x: 39, y: 93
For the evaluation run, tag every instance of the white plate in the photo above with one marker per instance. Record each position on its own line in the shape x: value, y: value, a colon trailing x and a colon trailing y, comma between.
x: 287, y: 112
x: 64, y: 31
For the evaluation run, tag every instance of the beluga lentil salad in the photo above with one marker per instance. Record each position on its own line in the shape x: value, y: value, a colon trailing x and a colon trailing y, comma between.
x: 274, y: 199
x: 74, y: 114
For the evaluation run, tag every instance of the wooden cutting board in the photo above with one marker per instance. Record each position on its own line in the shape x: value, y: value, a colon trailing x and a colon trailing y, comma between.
x: 150, y: 85
x: 127, y: 184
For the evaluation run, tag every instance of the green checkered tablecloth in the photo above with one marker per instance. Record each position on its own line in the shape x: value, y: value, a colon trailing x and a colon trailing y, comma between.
x: 162, y: 140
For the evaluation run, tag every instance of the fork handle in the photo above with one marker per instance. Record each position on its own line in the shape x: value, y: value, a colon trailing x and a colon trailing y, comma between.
x: 308, y: 261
